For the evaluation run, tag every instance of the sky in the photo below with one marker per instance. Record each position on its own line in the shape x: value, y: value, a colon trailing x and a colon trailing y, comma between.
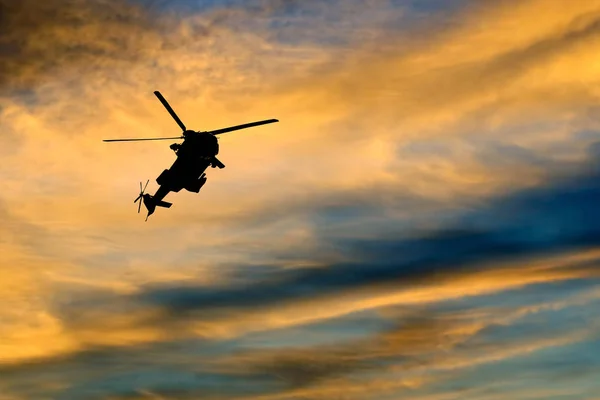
x: 422, y: 222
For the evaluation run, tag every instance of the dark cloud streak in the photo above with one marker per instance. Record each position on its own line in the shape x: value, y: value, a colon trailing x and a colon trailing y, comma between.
x: 537, y: 222
x: 65, y: 38
x: 300, y: 367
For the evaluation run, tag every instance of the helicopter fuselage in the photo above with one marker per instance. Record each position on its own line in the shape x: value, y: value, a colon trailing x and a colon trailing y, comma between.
x: 194, y: 156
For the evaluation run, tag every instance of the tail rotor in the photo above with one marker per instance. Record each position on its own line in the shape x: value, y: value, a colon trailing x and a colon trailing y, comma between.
x: 141, y: 196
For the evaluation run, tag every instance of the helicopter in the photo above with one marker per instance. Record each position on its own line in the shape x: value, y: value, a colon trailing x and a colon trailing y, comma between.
x: 195, y: 154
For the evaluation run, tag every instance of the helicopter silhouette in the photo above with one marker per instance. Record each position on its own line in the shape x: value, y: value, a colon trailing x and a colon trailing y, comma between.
x: 195, y: 154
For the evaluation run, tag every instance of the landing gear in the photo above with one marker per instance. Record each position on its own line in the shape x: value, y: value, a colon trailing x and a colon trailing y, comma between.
x: 197, y: 185
x: 216, y: 163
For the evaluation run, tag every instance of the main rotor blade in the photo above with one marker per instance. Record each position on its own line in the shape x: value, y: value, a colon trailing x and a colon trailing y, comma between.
x: 170, y: 110
x: 243, y: 126
x: 134, y: 140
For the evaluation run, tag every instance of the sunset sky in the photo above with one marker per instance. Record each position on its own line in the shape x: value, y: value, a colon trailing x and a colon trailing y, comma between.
x: 421, y: 224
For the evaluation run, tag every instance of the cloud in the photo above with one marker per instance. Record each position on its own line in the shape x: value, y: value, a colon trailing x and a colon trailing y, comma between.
x: 412, y: 358
x: 457, y: 261
x: 461, y: 76
x: 414, y: 166
x: 532, y: 223
x: 65, y: 37
x: 425, y: 347
x: 299, y: 367
x: 480, y: 256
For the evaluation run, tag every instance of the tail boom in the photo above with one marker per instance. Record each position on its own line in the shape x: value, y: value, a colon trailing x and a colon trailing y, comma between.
x: 151, y: 203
